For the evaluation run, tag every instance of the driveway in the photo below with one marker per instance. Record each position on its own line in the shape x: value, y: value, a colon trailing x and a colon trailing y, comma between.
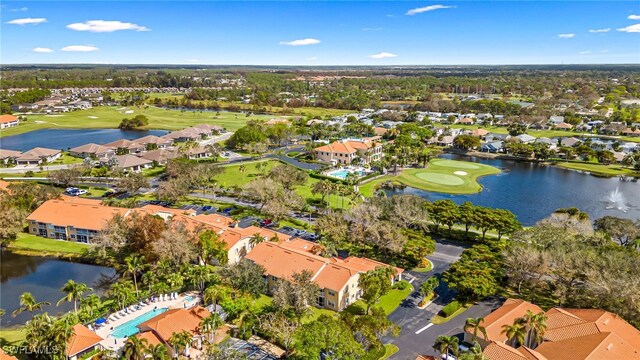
x: 418, y: 334
x: 295, y: 162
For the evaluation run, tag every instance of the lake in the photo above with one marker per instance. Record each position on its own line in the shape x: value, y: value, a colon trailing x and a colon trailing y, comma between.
x: 69, y: 138
x: 532, y: 191
x: 42, y: 277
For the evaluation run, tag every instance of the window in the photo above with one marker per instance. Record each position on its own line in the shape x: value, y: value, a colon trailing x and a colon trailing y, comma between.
x: 331, y: 293
x: 331, y: 304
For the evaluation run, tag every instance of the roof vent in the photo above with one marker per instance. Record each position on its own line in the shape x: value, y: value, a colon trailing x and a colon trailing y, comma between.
x: 610, y: 346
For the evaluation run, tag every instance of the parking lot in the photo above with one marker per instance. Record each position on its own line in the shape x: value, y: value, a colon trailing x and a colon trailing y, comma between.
x: 249, y: 350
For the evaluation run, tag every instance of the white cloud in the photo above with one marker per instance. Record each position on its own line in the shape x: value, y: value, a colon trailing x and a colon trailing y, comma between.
x: 566, y: 36
x: 313, y: 58
x: 604, y: 51
x: 24, y: 8
x: 600, y: 30
x: 81, y: 48
x: 42, y: 50
x: 427, y: 8
x: 585, y: 52
x: 631, y: 28
x: 372, y: 29
x: 382, y: 55
x: 193, y: 61
x: 633, y: 17
x: 105, y: 26
x: 300, y: 42
x: 25, y: 21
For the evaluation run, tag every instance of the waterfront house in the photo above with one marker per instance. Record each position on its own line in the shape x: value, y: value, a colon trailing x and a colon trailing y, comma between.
x: 5, y: 356
x: 525, y: 138
x: 480, y: 133
x: 159, y: 329
x: 571, y: 334
x: 181, y: 136
x: 124, y: 146
x: 38, y: 156
x: 74, y: 219
x: 336, y: 278
x: 344, y: 152
x: 569, y: 141
x: 81, y: 342
x: 9, y: 156
x: 556, y: 120
x: 492, y: 147
x: 7, y: 121
x: 93, y: 151
x: 152, y: 142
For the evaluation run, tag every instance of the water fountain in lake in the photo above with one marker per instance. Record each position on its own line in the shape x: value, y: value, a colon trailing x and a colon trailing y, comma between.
x: 616, y: 201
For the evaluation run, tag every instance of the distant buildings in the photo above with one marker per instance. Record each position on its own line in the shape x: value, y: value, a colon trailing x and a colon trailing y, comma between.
x: 7, y: 121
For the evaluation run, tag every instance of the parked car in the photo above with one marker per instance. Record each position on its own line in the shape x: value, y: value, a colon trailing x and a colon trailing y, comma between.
x: 228, y: 210
x: 265, y: 222
x: 207, y: 208
x: 81, y: 192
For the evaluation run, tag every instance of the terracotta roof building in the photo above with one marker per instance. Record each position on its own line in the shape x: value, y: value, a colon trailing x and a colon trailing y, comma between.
x: 74, y: 219
x: 173, y: 321
x: 346, y: 151
x: 5, y: 356
x: 7, y: 121
x: 337, y: 278
x: 81, y: 342
x: 92, y: 150
x: 38, y: 155
x: 571, y: 334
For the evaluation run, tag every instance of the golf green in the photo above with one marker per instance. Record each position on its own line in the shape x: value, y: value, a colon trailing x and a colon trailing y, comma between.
x: 442, y: 175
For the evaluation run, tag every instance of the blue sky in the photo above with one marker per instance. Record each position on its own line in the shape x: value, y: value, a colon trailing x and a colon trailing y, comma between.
x: 320, y: 33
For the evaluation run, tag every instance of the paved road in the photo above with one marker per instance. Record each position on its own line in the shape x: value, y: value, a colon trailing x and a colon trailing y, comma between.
x: 417, y: 334
x: 292, y: 161
x: 21, y: 169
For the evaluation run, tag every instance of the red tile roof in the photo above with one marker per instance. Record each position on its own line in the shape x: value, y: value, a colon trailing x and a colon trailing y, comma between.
x: 7, y: 119
x: 82, y: 339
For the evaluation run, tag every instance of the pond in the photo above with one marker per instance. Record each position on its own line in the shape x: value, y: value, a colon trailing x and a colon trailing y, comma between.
x: 43, y: 277
x: 69, y: 138
x: 532, y: 191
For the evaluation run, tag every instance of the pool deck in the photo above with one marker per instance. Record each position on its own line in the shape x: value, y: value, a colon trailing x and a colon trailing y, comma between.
x: 116, y: 344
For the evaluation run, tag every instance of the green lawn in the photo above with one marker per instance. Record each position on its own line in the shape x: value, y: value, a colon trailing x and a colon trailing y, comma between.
x: 232, y: 177
x: 446, y: 176
x: 389, y: 350
x: 13, y: 336
x: 110, y: 116
x: 66, y: 159
x: 388, y: 302
x: 44, y: 246
x: 316, y: 112
x: 598, y: 169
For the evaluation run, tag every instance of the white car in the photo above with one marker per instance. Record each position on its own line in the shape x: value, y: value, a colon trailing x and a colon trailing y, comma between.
x: 80, y: 192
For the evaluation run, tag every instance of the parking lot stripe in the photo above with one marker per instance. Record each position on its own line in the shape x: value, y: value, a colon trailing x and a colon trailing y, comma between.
x: 424, y: 328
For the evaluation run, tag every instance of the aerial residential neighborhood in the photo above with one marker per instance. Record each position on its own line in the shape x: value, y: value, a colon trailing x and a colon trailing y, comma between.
x: 319, y: 180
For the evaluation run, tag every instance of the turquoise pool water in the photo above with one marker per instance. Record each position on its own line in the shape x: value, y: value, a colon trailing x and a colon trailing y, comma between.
x: 342, y: 173
x: 130, y: 327
x: 188, y: 298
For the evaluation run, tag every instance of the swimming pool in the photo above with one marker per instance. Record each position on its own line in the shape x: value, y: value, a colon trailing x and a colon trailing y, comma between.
x: 342, y: 173
x: 130, y: 327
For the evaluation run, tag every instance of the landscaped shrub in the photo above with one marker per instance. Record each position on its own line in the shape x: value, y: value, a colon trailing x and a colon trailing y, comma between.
x: 450, y: 308
x: 401, y: 285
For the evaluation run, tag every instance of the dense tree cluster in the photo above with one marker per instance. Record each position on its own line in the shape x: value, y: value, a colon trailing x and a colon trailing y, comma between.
x: 134, y: 123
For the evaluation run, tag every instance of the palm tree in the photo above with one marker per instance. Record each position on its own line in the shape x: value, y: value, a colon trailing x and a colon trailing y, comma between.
x: 474, y: 325
x: 181, y: 342
x: 74, y: 293
x: 444, y: 344
x: 514, y: 332
x: 29, y: 303
x: 158, y: 352
x: 535, y: 326
x: 209, y: 325
x: 256, y: 239
x: 135, y: 348
x: 91, y: 303
x: 213, y: 294
x: 122, y: 292
x: 134, y: 264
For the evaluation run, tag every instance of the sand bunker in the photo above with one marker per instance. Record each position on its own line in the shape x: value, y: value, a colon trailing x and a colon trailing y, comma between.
x: 461, y: 173
x: 129, y: 112
x: 54, y: 115
x: 92, y: 117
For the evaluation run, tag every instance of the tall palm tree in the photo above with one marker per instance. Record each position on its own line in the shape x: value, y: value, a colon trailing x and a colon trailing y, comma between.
x: 515, y: 333
x: 134, y: 264
x: 74, y: 293
x: 535, y: 326
x: 181, y: 342
x: 242, y: 169
x: 214, y: 293
x: 256, y: 239
x: 209, y: 325
x: 29, y: 303
x: 474, y: 325
x: 445, y: 344
x: 122, y: 292
x: 135, y: 348
x: 158, y: 352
